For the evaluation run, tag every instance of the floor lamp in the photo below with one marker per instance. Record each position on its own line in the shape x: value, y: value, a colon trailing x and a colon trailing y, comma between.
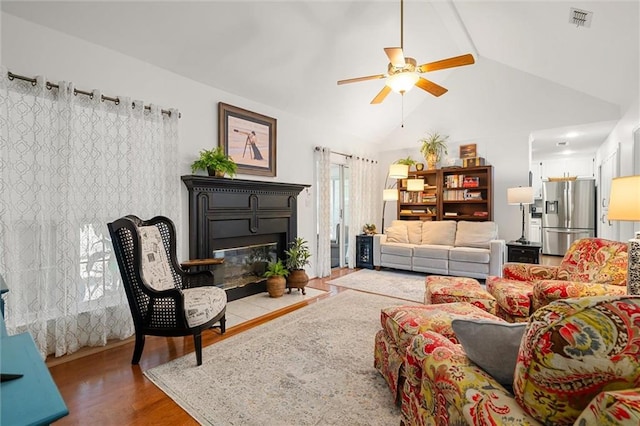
x: 396, y: 171
x: 624, y: 204
x: 521, y: 196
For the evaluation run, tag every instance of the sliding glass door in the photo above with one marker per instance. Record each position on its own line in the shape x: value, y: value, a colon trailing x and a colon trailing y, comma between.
x: 339, y: 214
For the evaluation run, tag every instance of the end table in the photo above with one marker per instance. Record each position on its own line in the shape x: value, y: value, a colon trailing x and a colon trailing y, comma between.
x: 523, y: 253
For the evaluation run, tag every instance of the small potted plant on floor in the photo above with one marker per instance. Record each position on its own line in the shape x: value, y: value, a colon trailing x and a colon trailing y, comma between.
x: 433, y: 146
x: 276, y: 281
x: 215, y: 162
x: 298, y: 256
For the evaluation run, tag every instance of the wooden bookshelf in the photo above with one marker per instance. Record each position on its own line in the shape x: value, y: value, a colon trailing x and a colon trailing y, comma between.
x: 461, y: 193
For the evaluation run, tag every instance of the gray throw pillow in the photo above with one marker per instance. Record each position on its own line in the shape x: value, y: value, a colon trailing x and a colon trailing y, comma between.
x: 491, y: 345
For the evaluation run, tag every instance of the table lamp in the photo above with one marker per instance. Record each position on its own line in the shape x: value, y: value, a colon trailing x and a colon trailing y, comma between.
x: 520, y: 196
x: 624, y: 204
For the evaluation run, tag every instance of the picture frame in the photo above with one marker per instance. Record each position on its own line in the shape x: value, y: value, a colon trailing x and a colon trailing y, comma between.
x: 468, y: 151
x: 248, y: 138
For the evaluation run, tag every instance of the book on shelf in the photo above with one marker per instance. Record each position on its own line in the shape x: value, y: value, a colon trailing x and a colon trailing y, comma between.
x: 450, y: 213
x: 481, y: 214
x: 471, y: 182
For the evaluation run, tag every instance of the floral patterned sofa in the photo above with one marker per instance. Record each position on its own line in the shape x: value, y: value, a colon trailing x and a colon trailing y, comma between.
x: 591, y: 267
x: 577, y: 363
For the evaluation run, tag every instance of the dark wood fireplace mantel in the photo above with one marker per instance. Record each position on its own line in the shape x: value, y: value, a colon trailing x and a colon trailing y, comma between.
x: 227, y: 213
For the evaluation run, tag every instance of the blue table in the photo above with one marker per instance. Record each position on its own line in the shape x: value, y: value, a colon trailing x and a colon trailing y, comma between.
x: 33, y: 399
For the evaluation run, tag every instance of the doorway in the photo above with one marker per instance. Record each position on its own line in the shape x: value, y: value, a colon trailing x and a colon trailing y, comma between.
x: 339, y: 215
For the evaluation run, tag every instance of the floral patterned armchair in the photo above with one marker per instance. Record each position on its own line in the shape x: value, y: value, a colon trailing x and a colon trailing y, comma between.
x: 577, y: 364
x: 591, y: 267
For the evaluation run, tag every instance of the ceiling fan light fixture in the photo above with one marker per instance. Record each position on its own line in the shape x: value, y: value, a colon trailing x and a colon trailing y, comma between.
x: 402, y: 82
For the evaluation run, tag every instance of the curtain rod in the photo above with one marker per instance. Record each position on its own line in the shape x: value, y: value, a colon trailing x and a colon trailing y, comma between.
x: 319, y: 148
x: 50, y: 85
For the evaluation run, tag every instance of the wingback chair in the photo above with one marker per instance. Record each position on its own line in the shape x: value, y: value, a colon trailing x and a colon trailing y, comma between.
x: 164, y: 299
x: 591, y: 267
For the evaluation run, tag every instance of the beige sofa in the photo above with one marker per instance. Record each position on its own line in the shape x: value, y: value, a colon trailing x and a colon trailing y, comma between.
x: 463, y: 248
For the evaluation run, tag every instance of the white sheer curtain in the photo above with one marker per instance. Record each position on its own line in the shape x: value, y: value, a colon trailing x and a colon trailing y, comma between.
x: 363, y: 199
x: 68, y: 166
x: 323, y: 189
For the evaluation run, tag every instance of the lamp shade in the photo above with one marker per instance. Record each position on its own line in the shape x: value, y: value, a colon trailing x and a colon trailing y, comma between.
x: 415, y: 185
x: 402, y: 81
x: 520, y: 195
x: 398, y: 171
x: 624, y: 200
x: 390, y: 195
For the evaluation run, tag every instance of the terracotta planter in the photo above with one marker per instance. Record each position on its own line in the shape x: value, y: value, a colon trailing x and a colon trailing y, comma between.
x: 276, y: 286
x: 297, y: 278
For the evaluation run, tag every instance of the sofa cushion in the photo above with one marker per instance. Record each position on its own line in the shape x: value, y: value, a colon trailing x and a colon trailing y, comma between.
x: 442, y: 232
x: 595, y: 260
x: 397, y: 234
x: 491, y: 344
x: 467, y: 254
x: 432, y: 251
x: 397, y: 249
x: 573, y: 349
x: 414, y: 231
x: 475, y: 234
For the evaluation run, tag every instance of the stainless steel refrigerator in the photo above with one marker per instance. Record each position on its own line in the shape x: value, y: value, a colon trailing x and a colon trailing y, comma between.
x: 569, y: 213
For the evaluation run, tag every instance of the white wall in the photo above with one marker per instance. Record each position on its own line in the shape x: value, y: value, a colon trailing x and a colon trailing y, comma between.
x: 622, y: 137
x: 29, y: 49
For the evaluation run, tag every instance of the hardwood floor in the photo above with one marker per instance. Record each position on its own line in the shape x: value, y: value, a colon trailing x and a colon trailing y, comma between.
x: 101, y: 387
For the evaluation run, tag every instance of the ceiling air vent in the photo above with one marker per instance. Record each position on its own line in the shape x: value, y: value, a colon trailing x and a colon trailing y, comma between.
x: 580, y: 18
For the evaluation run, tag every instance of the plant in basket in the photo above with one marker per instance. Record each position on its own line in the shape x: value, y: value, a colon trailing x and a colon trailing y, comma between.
x: 297, y: 257
x: 276, y: 281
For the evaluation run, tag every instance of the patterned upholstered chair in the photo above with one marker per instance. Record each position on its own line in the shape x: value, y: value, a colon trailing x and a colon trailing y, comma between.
x: 577, y: 363
x: 164, y: 299
x: 591, y: 267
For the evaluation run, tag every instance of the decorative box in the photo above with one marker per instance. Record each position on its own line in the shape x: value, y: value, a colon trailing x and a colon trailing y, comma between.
x: 473, y: 162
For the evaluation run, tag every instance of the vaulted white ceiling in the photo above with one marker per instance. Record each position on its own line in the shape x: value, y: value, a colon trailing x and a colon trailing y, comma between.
x: 289, y: 54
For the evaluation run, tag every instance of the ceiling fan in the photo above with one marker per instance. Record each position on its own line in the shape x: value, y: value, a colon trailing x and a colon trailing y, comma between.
x: 402, y: 71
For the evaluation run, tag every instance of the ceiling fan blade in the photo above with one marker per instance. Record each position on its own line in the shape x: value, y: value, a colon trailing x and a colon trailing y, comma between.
x: 396, y: 57
x: 381, y: 95
x: 355, y: 80
x: 431, y: 87
x: 456, y: 61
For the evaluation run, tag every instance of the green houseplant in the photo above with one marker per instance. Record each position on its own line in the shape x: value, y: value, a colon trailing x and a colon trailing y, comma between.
x: 297, y: 256
x: 410, y: 162
x: 215, y: 162
x: 432, y: 147
x: 276, y: 281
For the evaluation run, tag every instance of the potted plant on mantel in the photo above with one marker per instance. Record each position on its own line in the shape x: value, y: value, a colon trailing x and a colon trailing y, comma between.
x: 298, y: 256
x: 433, y: 146
x: 276, y: 281
x: 215, y: 162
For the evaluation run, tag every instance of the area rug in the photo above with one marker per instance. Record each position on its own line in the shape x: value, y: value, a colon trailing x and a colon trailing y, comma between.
x: 313, y: 366
x: 400, y: 284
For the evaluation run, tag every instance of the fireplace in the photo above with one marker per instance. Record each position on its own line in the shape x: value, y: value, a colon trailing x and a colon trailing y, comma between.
x: 234, y: 219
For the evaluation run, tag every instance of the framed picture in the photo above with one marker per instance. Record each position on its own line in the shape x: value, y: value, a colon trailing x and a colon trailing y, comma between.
x: 249, y: 139
x: 468, y: 151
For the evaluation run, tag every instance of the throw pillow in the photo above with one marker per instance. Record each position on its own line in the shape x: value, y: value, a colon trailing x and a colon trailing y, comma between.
x: 475, y: 234
x: 491, y: 345
x: 155, y: 264
x: 397, y: 234
x: 440, y: 232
